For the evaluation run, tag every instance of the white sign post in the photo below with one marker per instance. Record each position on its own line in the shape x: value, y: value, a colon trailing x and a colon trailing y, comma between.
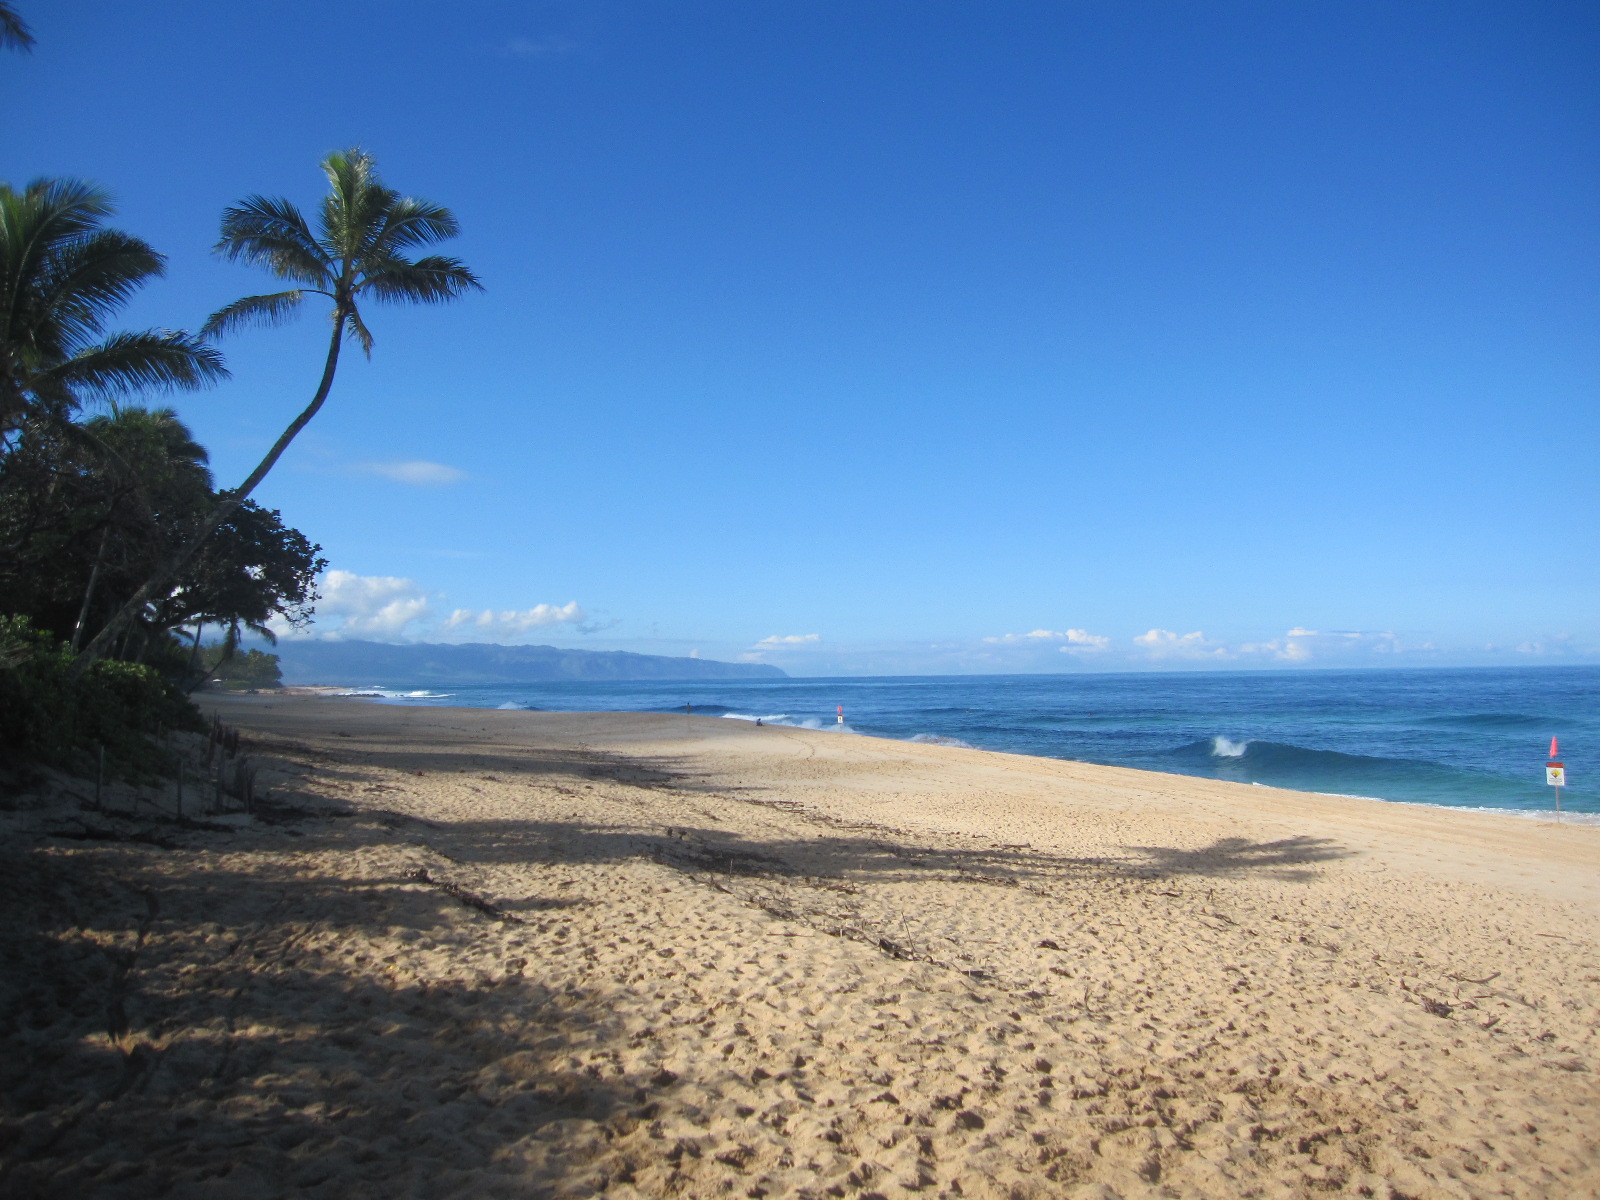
x: 1555, y: 775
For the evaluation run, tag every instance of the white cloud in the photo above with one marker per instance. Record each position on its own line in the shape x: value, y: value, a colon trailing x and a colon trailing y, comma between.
x: 1081, y: 639
x: 388, y: 608
x: 1301, y: 645
x: 1284, y: 649
x: 1556, y: 644
x: 511, y: 623
x: 416, y: 472
x: 1164, y: 643
x: 1076, y: 639
x: 778, y: 641
x: 370, y: 606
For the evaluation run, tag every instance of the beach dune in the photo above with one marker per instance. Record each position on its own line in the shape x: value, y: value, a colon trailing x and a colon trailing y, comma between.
x: 480, y: 953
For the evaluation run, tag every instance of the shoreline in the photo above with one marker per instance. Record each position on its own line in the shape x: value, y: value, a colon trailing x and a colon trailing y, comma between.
x: 1575, y: 818
x: 1330, y: 813
x: 481, y: 952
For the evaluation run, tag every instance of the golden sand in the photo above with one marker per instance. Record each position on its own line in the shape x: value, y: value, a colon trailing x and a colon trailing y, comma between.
x: 468, y: 953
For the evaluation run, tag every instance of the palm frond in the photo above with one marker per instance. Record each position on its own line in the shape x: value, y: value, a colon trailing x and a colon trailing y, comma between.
x: 132, y: 362
x: 269, y: 310
x: 52, y: 209
x: 355, y: 204
x: 359, y: 331
x: 262, y: 631
x: 270, y: 232
x: 410, y: 222
x: 82, y: 283
x: 430, y: 280
x: 35, y: 225
x: 14, y: 31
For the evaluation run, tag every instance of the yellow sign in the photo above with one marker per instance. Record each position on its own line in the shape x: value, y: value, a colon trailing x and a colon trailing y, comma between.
x: 1555, y: 776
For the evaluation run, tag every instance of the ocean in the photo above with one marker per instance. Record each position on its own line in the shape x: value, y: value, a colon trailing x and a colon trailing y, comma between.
x: 1473, y: 739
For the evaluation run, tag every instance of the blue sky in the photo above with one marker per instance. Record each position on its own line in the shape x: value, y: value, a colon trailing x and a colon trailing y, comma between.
x: 905, y: 336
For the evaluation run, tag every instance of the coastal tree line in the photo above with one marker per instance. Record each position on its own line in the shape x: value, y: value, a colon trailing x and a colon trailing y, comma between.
x: 117, y: 547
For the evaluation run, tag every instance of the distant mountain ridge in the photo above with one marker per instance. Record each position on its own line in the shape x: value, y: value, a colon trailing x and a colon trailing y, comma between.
x: 359, y: 663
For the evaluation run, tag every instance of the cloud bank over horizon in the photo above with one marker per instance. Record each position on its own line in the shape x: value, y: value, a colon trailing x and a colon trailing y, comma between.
x: 390, y: 608
x: 1040, y: 651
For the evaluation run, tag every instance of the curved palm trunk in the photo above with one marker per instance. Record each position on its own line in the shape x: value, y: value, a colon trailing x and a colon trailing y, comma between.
x: 191, y: 682
x: 102, y: 641
x: 94, y: 578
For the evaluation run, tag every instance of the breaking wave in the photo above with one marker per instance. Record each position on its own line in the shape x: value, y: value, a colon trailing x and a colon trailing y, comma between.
x: 939, y: 739
x: 1281, y: 764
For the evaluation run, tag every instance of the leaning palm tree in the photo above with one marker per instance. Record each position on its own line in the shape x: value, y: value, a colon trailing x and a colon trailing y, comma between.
x: 359, y: 251
x: 63, y: 275
x: 14, y: 31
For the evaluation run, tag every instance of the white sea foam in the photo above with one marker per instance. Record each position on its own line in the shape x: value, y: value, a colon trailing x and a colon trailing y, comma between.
x: 939, y: 739
x: 1222, y: 747
x: 792, y: 722
x: 379, y: 693
x: 1528, y: 814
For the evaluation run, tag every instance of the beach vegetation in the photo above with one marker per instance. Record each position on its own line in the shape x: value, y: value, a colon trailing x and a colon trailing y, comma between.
x: 361, y: 248
x: 81, y: 499
x: 89, y: 511
x: 117, y: 551
x: 109, y: 718
x: 82, y: 519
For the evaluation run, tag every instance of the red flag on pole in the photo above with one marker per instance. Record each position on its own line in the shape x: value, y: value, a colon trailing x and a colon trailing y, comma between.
x: 1552, y: 747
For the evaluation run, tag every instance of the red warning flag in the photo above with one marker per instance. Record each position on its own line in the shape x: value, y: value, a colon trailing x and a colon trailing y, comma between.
x: 1552, y: 747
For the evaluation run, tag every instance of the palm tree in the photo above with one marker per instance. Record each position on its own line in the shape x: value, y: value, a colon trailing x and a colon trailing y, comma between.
x: 365, y: 230
x: 359, y: 251
x: 14, y: 31
x: 62, y: 276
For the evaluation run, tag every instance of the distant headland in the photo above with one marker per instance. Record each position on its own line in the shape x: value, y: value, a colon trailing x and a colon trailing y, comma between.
x: 352, y: 662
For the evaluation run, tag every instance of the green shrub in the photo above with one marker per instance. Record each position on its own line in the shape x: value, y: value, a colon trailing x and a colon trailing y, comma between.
x: 49, y: 717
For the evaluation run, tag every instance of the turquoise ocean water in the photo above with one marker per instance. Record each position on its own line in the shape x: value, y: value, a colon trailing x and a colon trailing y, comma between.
x: 1461, y: 738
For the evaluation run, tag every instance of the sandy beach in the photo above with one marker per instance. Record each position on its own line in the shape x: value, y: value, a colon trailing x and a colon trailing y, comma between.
x: 463, y: 953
